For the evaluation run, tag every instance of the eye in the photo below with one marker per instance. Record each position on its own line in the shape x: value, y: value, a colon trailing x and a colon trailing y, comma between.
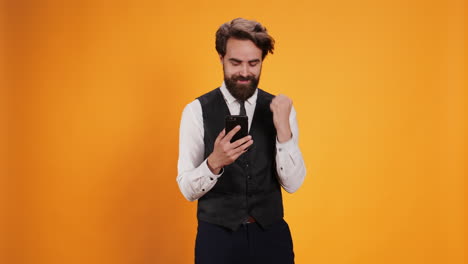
x: 235, y: 63
x: 253, y: 63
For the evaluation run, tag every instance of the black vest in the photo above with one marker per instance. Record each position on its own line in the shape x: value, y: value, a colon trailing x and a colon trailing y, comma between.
x: 249, y: 186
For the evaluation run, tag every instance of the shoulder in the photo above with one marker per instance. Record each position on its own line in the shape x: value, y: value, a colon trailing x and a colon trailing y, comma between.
x: 191, y: 110
x: 209, y: 96
x: 265, y: 95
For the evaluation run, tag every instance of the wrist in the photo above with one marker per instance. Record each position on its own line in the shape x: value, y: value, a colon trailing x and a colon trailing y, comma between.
x: 284, y: 138
x: 283, y: 134
x: 214, y: 168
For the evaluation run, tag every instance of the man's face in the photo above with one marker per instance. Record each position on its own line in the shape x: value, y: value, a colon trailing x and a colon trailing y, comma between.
x: 242, y: 66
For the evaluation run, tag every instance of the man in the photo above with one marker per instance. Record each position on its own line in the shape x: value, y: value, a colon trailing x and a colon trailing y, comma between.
x: 238, y: 184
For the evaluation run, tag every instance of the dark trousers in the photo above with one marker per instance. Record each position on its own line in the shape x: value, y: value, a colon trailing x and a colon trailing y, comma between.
x: 248, y: 244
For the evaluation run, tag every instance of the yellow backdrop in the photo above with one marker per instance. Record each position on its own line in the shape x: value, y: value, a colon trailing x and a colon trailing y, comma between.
x: 95, y: 94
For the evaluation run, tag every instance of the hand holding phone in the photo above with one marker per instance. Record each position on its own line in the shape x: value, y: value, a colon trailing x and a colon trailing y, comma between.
x: 227, y: 147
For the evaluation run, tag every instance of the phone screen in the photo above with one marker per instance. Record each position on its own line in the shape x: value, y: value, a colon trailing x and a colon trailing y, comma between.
x: 232, y: 121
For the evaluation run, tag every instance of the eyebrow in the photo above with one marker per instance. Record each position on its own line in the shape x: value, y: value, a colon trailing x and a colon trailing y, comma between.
x: 235, y: 60
x: 239, y: 61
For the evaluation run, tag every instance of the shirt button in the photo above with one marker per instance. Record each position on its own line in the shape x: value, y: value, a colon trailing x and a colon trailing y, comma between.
x: 211, y: 178
x: 280, y: 149
x: 281, y: 168
x: 203, y: 190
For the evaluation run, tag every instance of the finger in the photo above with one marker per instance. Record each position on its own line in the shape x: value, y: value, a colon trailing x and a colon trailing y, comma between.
x: 274, y: 108
x: 246, y: 146
x: 241, y: 141
x: 220, y: 136
x: 231, y: 133
x: 242, y: 149
x: 273, y: 104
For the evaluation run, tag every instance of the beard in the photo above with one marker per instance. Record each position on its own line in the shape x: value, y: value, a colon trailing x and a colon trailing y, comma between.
x: 241, y: 91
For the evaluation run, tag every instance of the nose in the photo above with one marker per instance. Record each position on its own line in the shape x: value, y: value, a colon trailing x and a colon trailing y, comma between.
x: 244, y: 72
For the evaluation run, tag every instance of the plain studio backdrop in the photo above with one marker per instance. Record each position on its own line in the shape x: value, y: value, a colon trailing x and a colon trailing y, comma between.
x: 94, y: 94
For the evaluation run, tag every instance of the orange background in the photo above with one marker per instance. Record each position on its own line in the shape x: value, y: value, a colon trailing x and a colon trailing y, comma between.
x: 96, y: 89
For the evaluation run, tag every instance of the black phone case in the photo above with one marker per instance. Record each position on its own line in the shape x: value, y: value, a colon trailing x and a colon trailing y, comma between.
x: 232, y: 121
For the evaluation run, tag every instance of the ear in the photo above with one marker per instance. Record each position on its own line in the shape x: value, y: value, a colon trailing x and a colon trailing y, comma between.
x: 221, y: 58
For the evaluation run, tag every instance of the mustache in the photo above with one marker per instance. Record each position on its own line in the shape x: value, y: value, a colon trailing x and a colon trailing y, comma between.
x: 242, y: 78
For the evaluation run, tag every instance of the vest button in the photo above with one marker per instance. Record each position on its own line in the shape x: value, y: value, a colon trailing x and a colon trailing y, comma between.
x: 249, y: 177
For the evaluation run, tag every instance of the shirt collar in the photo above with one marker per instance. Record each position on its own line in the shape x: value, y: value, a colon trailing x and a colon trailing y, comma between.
x: 230, y: 99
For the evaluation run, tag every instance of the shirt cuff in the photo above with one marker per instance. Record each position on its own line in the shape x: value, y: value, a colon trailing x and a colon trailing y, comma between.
x: 287, y: 146
x: 205, y: 170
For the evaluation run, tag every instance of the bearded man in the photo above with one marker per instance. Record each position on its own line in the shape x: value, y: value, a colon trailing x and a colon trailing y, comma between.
x: 238, y: 184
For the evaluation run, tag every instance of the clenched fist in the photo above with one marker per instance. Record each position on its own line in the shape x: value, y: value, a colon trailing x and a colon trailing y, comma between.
x: 281, y: 107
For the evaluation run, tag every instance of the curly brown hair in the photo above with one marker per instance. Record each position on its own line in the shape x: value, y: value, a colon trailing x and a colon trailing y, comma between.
x: 244, y: 29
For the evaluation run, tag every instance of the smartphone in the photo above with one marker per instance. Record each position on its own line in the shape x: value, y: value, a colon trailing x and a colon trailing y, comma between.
x: 234, y: 120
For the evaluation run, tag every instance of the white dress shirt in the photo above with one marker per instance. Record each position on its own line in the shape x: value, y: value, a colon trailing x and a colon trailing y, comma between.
x: 195, y: 178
